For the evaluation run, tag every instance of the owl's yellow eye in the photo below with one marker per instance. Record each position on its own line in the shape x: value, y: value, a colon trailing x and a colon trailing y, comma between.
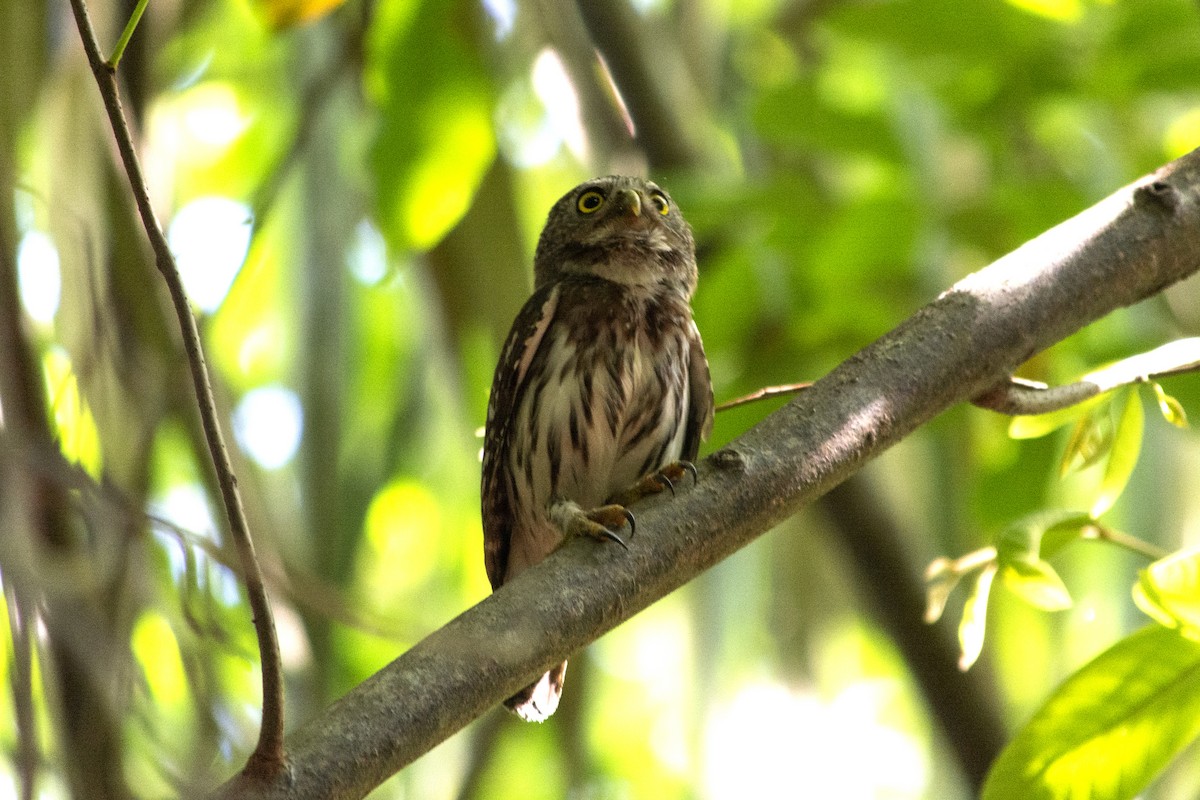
x: 590, y: 201
x: 660, y: 203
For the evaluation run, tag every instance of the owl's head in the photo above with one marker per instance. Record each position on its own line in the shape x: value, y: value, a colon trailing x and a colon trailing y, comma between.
x: 625, y: 230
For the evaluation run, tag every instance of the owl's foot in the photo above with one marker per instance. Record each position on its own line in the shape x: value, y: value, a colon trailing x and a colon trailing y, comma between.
x: 655, y: 482
x: 598, y: 523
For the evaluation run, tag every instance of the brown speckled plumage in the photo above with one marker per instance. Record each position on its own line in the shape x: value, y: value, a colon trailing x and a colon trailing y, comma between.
x: 602, y: 380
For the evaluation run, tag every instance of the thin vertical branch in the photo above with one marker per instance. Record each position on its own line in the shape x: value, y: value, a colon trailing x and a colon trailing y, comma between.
x: 267, y: 760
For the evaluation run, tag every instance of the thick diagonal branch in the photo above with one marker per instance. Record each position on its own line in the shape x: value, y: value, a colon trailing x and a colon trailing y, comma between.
x: 1126, y: 248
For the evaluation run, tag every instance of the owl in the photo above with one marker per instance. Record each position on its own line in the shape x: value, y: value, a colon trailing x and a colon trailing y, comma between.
x: 602, y: 389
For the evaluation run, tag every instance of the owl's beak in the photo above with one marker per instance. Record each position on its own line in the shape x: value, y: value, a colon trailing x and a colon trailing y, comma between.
x: 630, y: 201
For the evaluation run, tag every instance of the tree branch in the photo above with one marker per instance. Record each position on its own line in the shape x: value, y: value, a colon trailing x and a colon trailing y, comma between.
x: 267, y: 761
x: 963, y: 703
x: 1126, y: 248
x: 1030, y: 397
x: 664, y: 130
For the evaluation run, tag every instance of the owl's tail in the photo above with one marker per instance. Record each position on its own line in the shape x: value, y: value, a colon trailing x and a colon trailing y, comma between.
x: 537, y: 701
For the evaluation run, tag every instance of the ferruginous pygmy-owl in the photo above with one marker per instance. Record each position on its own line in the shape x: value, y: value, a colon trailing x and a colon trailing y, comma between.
x: 602, y: 388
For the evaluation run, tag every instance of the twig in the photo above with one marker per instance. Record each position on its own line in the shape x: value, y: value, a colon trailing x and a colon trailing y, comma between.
x: 763, y: 394
x: 1130, y: 543
x: 1020, y: 397
x: 267, y: 761
x: 115, y: 59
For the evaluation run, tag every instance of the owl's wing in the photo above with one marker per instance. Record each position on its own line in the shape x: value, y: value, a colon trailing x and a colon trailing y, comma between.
x: 508, y: 386
x: 700, y: 396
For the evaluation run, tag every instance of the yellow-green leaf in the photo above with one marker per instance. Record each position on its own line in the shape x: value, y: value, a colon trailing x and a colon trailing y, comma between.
x: 1110, y: 728
x: 1041, y: 534
x: 1090, y: 440
x: 1035, y: 426
x: 1169, y: 591
x: 1170, y: 408
x: 435, y: 138
x: 1036, y: 582
x: 1123, y: 455
x: 937, y: 592
x: 974, y: 619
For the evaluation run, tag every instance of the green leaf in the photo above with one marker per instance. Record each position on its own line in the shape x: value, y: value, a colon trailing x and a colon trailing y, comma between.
x: 1109, y: 728
x: 1170, y: 408
x: 974, y: 619
x: 1123, y: 456
x: 1169, y: 591
x: 435, y: 138
x: 1040, y: 535
x: 940, y: 580
x: 1035, y: 426
x: 1089, y: 441
x: 1036, y: 582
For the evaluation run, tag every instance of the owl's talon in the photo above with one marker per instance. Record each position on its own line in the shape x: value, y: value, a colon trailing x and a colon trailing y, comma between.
x: 655, y: 482
x: 597, y: 523
x: 612, y: 537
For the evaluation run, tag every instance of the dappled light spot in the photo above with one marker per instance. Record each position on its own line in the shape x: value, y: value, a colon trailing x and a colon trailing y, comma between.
x: 39, y: 276
x: 268, y: 422
x: 157, y: 651
x: 525, y: 132
x: 1059, y: 10
x: 367, y: 254
x: 503, y: 14
x: 1182, y: 134
x: 774, y: 742
x: 74, y: 425
x: 211, y: 115
x: 440, y: 185
x: 402, y: 526
x: 210, y: 237
x: 554, y: 88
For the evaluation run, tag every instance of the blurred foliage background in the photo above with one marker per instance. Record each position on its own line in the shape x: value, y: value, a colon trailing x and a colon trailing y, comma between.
x: 354, y: 190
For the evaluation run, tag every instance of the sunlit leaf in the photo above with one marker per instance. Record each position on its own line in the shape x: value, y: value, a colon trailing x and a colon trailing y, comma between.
x: 1090, y: 440
x: 1041, y: 534
x: 154, y: 644
x: 1036, y: 582
x: 1034, y: 426
x: 1060, y: 10
x: 940, y: 582
x: 1170, y: 408
x: 399, y: 547
x: 74, y: 425
x: 974, y: 619
x: 435, y: 138
x: 1123, y: 456
x: 281, y: 14
x: 1106, y: 732
x: 250, y: 341
x: 1169, y: 591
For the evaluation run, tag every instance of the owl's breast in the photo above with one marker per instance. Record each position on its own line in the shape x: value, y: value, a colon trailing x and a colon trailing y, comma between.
x: 605, y: 403
x: 621, y: 397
